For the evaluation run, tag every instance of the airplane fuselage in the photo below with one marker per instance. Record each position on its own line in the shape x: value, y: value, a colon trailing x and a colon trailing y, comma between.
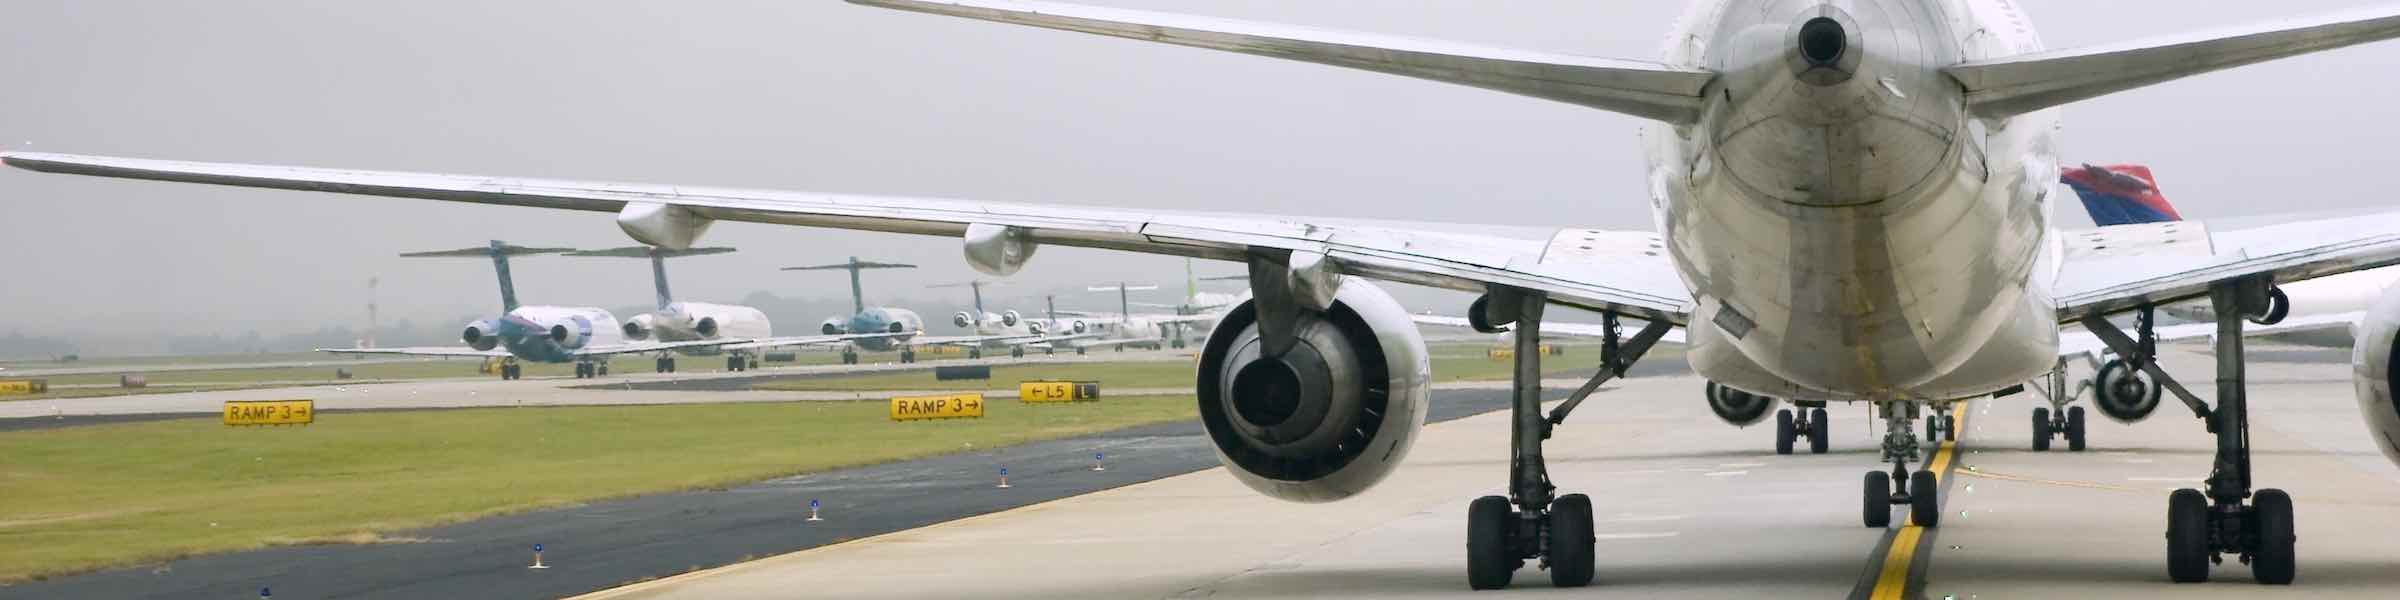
x: 878, y: 319
x: 682, y: 321
x: 1848, y: 229
x: 552, y: 334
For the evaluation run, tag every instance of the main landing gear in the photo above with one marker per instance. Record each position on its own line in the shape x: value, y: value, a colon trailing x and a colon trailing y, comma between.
x: 2202, y: 527
x: 1016, y: 352
x: 737, y: 362
x: 2058, y: 420
x: 1919, y: 490
x: 588, y: 369
x: 665, y: 364
x: 1531, y: 523
x: 510, y: 370
x: 908, y: 355
x: 849, y: 356
x: 1790, y: 426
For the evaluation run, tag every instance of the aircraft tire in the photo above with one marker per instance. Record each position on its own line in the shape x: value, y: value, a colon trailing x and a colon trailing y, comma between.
x: 1571, y: 540
x: 1878, y: 499
x: 1490, y: 560
x: 1924, y: 499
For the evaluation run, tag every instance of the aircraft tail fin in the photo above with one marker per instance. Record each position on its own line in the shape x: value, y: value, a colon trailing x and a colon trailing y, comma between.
x: 2120, y: 194
x: 658, y: 262
x: 2015, y: 85
x: 499, y: 252
x: 1642, y: 89
x: 858, y: 292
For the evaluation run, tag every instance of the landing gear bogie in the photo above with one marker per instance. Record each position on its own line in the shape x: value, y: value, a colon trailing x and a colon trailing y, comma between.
x: 1790, y: 427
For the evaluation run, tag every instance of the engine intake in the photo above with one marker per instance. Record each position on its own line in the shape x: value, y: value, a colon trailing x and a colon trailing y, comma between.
x: 478, y: 335
x: 707, y: 327
x: 2123, y: 393
x: 2374, y: 356
x: 962, y: 319
x: 1331, y: 417
x: 1739, y: 408
x: 1009, y: 318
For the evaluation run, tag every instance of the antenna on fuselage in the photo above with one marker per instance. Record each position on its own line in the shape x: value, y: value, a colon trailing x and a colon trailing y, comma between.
x: 858, y: 296
x: 658, y: 262
x: 499, y: 252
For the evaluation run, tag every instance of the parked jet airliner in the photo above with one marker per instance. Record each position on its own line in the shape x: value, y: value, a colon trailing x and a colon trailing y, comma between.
x: 1854, y: 202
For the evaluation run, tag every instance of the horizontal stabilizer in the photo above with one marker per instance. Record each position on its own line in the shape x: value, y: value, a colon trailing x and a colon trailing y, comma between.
x: 1642, y: 89
x: 2017, y: 85
x: 497, y: 249
x: 648, y: 251
x: 851, y: 265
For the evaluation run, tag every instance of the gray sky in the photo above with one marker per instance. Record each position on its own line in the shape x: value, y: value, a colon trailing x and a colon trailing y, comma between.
x: 820, y: 95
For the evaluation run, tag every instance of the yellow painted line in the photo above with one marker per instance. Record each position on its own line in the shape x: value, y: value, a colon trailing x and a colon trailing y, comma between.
x: 1893, y: 582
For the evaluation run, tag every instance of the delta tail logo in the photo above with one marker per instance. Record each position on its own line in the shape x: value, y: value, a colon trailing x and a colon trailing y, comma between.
x: 2120, y: 194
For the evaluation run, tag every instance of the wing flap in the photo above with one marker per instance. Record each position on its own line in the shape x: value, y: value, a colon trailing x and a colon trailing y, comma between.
x: 1642, y: 89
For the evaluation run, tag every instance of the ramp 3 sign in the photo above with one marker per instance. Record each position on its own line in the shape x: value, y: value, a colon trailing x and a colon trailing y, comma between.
x: 947, y: 406
x: 271, y: 412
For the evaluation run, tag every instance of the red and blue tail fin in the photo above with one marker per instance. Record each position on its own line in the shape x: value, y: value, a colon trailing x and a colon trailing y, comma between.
x: 2120, y: 194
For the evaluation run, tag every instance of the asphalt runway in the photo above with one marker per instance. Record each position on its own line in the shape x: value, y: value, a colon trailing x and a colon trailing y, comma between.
x: 1688, y: 508
x: 605, y: 544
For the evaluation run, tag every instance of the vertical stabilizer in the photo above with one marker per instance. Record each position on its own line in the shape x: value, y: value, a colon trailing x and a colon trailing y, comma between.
x: 858, y: 294
x: 658, y: 263
x: 499, y: 252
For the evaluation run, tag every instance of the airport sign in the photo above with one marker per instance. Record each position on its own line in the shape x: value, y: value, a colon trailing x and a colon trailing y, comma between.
x: 1058, y: 391
x: 967, y: 405
x: 24, y: 386
x: 270, y: 412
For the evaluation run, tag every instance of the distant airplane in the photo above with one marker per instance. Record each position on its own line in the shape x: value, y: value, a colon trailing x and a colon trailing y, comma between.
x: 686, y: 321
x: 1853, y: 202
x: 586, y: 336
x: 1006, y: 330
x: 903, y: 323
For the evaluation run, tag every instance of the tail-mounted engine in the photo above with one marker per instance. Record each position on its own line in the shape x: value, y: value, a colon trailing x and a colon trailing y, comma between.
x: 833, y: 326
x: 2371, y: 368
x: 962, y: 319
x: 2122, y: 392
x: 1329, y: 417
x: 480, y: 336
x: 1010, y: 318
x: 570, y: 335
x: 1739, y: 408
x: 707, y: 327
x: 638, y: 327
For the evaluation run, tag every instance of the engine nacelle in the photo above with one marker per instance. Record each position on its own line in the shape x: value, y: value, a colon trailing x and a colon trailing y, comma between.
x: 1739, y: 408
x: 1009, y: 318
x: 1037, y: 328
x: 663, y: 225
x: 834, y: 326
x: 1329, y: 418
x: 962, y: 319
x: 1079, y: 327
x: 2371, y: 369
x: 2278, y: 307
x: 2123, y: 393
x: 639, y: 327
x: 567, y: 337
x: 479, y: 335
x: 707, y: 327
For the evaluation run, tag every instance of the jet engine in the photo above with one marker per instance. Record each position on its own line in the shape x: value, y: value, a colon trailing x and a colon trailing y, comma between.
x: 1079, y: 327
x: 1332, y: 415
x: 2278, y: 307
x: 1009, y: 318
x: 479, y: 335
x: 707, y: 327
x: 567, y: 337
x: 638, y: 327
x: 2371, y: 368
x: 1037, y: 328
x: 1739, y: 408
x: 2123, y: 393
x: 962, y: 319
x: 833, y: 326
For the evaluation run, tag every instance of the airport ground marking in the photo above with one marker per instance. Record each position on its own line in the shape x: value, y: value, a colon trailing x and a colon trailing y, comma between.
x: 1900, y: 559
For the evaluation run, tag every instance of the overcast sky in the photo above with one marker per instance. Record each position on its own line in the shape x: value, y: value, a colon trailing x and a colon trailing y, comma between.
x: 821, y: 95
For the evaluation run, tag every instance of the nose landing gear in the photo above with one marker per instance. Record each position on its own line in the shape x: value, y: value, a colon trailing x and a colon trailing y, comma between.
x: 1919, y: 490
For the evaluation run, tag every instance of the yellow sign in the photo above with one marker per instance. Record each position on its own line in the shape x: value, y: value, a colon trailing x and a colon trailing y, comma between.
x: 1058, y: 391
x: 1507, y: 352
x: 24, y: 386
x: 271, y: 412
x: 968, y: 405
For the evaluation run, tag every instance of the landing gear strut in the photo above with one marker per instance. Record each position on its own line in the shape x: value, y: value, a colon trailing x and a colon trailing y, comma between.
x: 1811, y: 422
x: 2058, y: 420
x: 1918, y: 490
x: 1531, y: 523
x: 2202, y: 527
x: 849, y: 356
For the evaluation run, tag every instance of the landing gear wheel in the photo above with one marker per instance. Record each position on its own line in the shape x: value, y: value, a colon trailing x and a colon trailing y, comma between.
x: 1817, y: 435
x: 1878, y: 499
x: 1950, y: 429
x: 1924, y: 499
x: 1783, y: 431
x: 599, y: 370
x: 2271, y: 514
x: 1080, y: 351
x: 1017, y: 352
x: 734, y: 363
x: 1571, y: 541
x: 1490, y: 560
x: 2075, y: 428
x: 974, y: 353
x: 908, y: 356
x: 2041, y: 429
x: 849, y: 358
x: 2187, y: 536
x: 1933, y: 430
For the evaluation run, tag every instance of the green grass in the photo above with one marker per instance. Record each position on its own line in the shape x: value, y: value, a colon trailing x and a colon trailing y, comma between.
x: 84, y: 498
x: 230, y: 379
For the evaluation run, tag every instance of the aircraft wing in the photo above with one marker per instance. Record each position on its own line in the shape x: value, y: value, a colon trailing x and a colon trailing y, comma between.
x: 2102, y: 282
x: 2074, y: 343
x: 1614, y: 271
x: 639, y: 347
x: 804, y: 340
x: 423, y: 351
x: 1558, y: 328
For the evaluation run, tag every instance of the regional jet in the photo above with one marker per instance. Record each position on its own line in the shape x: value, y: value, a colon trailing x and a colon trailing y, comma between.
x: 682, y: 321
x: 1854, y: 202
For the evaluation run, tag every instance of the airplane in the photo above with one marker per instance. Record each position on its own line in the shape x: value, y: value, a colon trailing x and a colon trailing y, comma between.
x: 1006, y: 330
x: 903, y: 323
x: 586, y: 336
x: 684, y: 321
x: 1854, y: 202
x: 1125, y: 328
